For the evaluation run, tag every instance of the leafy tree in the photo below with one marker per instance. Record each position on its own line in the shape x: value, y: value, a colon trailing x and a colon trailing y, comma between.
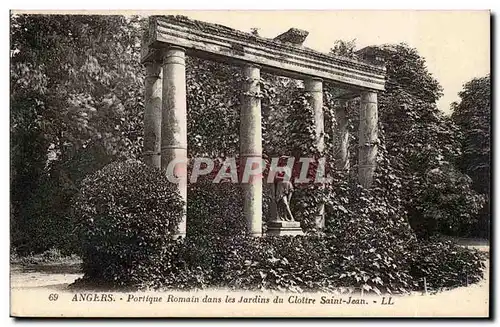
x: 407, y: 71
x: 82, y: 76
x: 430, y: 146
x: 473, y: 115
x: 76, y: 84
x: 344, y: 48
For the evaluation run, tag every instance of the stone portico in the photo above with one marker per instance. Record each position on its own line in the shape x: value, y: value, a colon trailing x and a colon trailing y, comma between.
x: 170, y: 38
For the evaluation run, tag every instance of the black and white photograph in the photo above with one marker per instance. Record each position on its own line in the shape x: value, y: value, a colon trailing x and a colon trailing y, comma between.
x: 242, y: 163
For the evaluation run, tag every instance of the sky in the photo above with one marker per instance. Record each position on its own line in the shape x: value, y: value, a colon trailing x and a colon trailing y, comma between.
x: 455, y: 44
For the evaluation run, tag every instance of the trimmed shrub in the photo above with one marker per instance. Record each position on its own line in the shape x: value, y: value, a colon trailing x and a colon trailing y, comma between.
x: 126, y: 215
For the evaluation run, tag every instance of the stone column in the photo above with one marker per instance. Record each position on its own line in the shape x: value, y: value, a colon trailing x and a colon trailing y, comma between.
x: 174, y: 120
x: 314, y: 88
x: 251, y: 147
x: 342, y: 137
x: 152, y: 115
x: 368, y: 138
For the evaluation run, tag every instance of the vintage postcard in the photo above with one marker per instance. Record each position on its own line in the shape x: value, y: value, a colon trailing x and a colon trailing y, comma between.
x: 250, y: 163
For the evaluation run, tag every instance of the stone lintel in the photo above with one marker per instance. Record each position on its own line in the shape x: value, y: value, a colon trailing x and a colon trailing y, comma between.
x: 220, y: 43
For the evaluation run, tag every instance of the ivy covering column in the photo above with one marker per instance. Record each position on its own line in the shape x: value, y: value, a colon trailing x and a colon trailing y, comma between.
x: 174, y: 121
x: 342, y: 137
x: 314, y: 90
x: 152, y: 114
x: 368, y: 138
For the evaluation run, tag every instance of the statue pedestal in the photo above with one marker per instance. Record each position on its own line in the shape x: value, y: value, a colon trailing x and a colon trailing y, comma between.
x: 284, y: 228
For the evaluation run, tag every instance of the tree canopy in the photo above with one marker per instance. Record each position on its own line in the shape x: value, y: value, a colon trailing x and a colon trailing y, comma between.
x: 76, y: 103
x: 473, y: 115
x: 422, y: 144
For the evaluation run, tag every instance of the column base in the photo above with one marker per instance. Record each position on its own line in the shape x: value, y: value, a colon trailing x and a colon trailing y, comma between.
x: 284, y: 228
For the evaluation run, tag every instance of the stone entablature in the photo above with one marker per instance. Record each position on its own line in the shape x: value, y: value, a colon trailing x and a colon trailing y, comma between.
x: 217, y: 42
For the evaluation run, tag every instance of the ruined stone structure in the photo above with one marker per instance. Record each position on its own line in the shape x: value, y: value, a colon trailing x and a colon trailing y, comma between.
x: 168, y: 41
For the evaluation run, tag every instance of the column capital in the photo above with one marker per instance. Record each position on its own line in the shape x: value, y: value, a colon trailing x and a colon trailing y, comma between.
x: 174, y: 55
x: 174, y: 48
x: 252, y: 65
x: 251, y: 72
x: 313, y: 84
x: 369, y: 97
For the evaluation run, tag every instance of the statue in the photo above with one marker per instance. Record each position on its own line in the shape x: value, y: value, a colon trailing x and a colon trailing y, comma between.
x: 282, y: 190
x: 282, y: 220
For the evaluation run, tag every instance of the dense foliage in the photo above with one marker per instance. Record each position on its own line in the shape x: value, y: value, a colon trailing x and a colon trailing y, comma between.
x: 215, y: 208
x: 444, y: 264
x: 213, y: 108
x: 76, y: 104
x: 307, y: 263
x: 473, y: 115
x: 434, y: 194
x: 125, y: 214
